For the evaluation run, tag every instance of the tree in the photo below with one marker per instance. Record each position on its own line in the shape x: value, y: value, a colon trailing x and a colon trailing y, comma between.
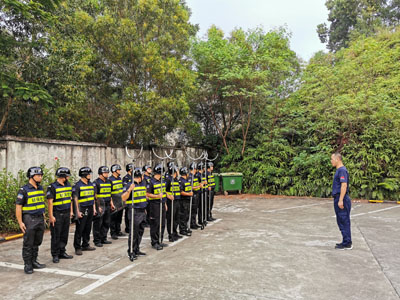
x: 356, y: 17
x: 22, y: 36
x: 240, y: 74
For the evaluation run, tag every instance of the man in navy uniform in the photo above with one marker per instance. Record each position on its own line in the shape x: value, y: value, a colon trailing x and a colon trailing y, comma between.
x: 156, y: 194
x: 83, y: 193
x: 101, y: 222
x: 173, y: 203
x: 125, y: 180
x: 59, y: 196
x: 30, y: 215
x: 193, y: 178
x: 136, y: 192
x: 341, y: 201
x: 186, y: 193
x: 211, y: 190
x: 116, y: 193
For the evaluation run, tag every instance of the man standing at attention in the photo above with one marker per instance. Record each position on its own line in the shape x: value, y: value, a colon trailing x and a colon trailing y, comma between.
x: 341, y: 201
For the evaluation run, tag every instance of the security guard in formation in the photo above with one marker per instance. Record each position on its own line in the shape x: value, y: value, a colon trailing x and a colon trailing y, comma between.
x: 125, y: 180
x: 83, y: 194
x: 87, y: 200
x: 135, y: 193
x: 202, y: 196
x: 156, y: 195
x: 211, y: 190
x: 186, y: 192
x: 116, y: 193
x: 173, y: 203
x: 29, y: 211
x: 194, y: 180
x: 104, y: 204
x: 147, y: 177
x: 59, y: 196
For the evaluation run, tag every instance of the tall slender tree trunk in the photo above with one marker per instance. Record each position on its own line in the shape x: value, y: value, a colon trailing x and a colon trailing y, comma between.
x: 5, y: 115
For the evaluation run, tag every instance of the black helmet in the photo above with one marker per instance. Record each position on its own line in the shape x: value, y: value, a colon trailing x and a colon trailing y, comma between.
x: 210, y: 164
x: 84, y: 171
x: 184, y: 171
x: 172, y: 169
x: 158, y: 169
x: 32, y: 171
x: 193, y: 166
x: 103, y: 169
x: 137, y: 172
x: 115, y: 167
x: 145, y: 167
x: 170, y: 164
x: 63, y: 172
x: 130, y: 167
x: 200, y: 166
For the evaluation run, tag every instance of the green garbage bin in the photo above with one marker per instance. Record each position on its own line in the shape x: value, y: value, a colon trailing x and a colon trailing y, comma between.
x: 217, y: 182
x: 232, y: 182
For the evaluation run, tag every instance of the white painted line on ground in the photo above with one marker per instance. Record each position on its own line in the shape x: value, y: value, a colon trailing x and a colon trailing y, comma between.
x: 55, y: 271
x: 186, y: 237
x: 294, y: 207
x: 375, y: 211
x: 104, y: 280
x: 370, y: 212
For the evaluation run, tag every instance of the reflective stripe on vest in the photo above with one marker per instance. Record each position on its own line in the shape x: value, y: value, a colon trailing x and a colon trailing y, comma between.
x: 117, y: 187
x: 139, y: 195
x: 204, y: 180
x: 63, y: 196
x: 157, y: 191
x: 188, y: 187
x: 105, y: 190
x: 175, y: 189
x: 196, y: 184
x: 35, y: 202
x: 211, y: 180
x: 86, y: 193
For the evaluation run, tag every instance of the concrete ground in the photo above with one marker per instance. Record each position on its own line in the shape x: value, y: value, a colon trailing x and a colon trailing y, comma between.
x: 260, y: 248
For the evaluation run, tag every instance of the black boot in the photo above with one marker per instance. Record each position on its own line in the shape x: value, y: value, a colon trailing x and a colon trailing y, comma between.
x: 28, y: 268
x: 37, y: 265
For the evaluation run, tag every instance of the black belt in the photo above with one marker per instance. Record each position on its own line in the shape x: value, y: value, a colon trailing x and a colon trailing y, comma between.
x: 63, y: 211
x: 34, y: 215
x: 140, y: 209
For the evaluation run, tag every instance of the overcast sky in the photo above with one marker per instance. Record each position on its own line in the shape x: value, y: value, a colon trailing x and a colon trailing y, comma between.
x: 300, y: 16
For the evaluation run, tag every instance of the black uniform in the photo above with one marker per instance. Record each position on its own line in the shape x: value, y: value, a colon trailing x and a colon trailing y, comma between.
x: 172, y: 187
x: 154, y: 187
x: 116, y: 217
x: 62, y: 196
x: 101, y: 222
x: 32, y: 201
x: 147, y: 180
x: 125, y: 180
x: 201, y: 197
x: 85, y: 194
x: 210, y: 200
x: 140, y: 204
x: 195, y: 199
x: 185, y: 186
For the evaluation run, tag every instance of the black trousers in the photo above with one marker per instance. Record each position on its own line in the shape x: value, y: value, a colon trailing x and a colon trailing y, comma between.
x: 101, y: 224
x: 202, y: 206
x: 154, y: 208
x: 116, y: 220
x: 126, y: 220
x: 33, y: 237
x: 176, y: 204
x: 184, y: 214
x: 195, y: 206
x: 138, y: 228
x: 210, y: 203
x: 83, y: 228
x: 60, y: 231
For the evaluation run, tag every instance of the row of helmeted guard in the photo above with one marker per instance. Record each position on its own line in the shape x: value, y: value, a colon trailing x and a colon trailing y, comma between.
x: 181, y: 198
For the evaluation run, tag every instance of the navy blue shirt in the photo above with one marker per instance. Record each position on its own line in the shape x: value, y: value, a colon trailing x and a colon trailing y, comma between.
x: 154, y: 187
x: 127, y: 178
x: 61, y: 195
x: 340, y: 177
x: 139, y: 194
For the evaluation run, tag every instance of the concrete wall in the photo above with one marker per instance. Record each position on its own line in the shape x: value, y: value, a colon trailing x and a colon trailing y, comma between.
x: 21, y: 153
